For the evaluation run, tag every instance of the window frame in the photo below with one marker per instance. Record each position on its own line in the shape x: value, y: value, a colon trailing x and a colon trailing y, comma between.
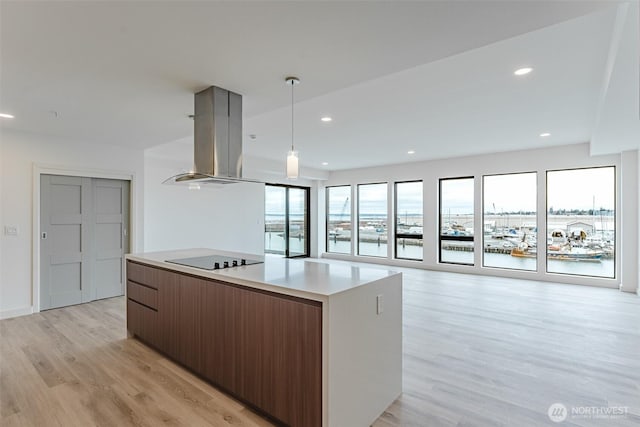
x: 327, y: 213
x: 307, y: 220
x: 536, y: 221
x: 358, y: 218
x: 615, y: 222
x: 442, y: 238
x: 397, y: 235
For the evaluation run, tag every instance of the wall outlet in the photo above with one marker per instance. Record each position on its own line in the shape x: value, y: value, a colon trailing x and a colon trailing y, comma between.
x: 379, y: 307
x: 11, y: 230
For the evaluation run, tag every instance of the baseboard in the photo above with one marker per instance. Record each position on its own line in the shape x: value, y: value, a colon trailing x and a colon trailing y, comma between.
x: 6, y: 314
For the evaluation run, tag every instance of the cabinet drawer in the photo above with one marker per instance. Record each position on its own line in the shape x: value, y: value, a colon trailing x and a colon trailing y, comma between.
x: 142, y: 322
x: 142, y: 294
x: 143, y: 274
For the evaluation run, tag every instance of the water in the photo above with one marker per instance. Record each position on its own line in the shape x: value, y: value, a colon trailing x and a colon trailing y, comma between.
x: 372, y: 249
x: 508, y: 261
x: 274, y: 243
x: 604, y: 268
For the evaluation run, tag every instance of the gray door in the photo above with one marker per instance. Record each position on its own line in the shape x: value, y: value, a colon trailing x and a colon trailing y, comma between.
x: 65, y: 219
x: 111, y: 243
x: 84, y: 226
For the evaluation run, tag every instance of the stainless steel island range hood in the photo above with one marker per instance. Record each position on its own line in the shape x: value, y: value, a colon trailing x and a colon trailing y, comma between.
x: 217, y: 139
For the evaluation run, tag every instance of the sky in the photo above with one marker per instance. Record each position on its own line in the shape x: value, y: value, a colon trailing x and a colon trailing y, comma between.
x: 578, y: 188
x: 373, y: 198
x: 456, y: 196
x: 510, y: 193
x: 340, y: 201
x: 566, y: 189
x: 275, y: 198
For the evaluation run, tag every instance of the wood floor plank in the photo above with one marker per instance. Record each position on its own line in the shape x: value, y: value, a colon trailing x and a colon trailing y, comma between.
x: 478, y: 351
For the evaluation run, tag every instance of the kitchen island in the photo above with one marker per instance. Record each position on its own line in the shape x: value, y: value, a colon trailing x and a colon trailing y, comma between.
x: 306, y: 342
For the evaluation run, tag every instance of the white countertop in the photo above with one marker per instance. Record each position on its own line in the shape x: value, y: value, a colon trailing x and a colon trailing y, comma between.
x: 306, y: 277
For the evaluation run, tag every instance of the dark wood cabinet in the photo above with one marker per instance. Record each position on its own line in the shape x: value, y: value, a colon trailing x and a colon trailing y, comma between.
x: 262, y: 347
x: 143, y: 295
x: 188, y: 316
x: 143, y: 322
x: 220, y: 343
x: 168, y: 308
x: 282, y: 353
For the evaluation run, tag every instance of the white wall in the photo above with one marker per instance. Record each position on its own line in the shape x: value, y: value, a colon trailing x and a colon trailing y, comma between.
x: 20, y: 154
x: 629, y: 218
x: 564, y: 157
x: 616, y: 126
x: 228, y: 217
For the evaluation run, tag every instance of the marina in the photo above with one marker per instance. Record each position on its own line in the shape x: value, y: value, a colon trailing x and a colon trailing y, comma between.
x: 576, y: 244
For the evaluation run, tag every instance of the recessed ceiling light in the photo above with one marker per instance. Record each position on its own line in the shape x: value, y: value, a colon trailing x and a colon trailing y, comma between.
x: 326, y: 119
x: 545, y: 134
x: 523, y: 71
x: 411, y: 152
x: 6, y: 116
x: 325, y: 163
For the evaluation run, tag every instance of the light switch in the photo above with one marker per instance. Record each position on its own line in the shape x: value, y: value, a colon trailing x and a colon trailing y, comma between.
x: 10, y: 230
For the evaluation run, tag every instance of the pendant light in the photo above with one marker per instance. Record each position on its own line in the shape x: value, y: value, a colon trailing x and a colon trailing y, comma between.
x: 292, y: 157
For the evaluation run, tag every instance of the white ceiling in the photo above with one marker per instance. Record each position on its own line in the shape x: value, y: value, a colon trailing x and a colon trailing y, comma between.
x: 431, y: 76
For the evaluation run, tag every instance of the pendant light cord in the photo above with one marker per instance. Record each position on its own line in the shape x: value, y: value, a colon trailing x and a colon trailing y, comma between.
x: 292, y: 84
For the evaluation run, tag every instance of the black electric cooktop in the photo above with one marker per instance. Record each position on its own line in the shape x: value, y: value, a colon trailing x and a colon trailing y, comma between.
x: 214, y: 262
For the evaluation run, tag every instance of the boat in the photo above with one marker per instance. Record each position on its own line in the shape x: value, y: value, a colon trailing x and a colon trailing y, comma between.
x: 523, y: 253
x: 562, y: 253
x: 568, y: 252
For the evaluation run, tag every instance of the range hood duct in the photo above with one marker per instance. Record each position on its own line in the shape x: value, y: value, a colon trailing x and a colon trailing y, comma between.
x: 217, y: 139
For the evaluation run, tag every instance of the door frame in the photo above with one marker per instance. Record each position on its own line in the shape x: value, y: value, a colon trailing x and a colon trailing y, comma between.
x: 48, y: 169
x: 307, y: 230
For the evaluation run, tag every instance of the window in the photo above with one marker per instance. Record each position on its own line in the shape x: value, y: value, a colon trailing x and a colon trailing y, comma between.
x: 275, y: 212
x: 339, y: 219
x: 456, y: 220
x: 372, y: 219
x: 408, y: 225
x: 581, y: 222
x: 510, y: 228
x: 298, y: 221
x: 286, y: 223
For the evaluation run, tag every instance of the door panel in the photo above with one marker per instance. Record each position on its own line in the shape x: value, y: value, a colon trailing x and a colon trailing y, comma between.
x: 66, y: 194
x: 275, y: 220
x: 286, y: 220
x: 109, y: 236
x: 111, y: 202
x: 84, y: 236
x: 110, y: 198
x: 64, y: 226
x: 66, y: 278
x: 297, y: 202
x: 108, y: 277
x: 66, y: 236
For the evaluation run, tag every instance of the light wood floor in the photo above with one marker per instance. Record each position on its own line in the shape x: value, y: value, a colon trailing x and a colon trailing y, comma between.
x: 478, y: 351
